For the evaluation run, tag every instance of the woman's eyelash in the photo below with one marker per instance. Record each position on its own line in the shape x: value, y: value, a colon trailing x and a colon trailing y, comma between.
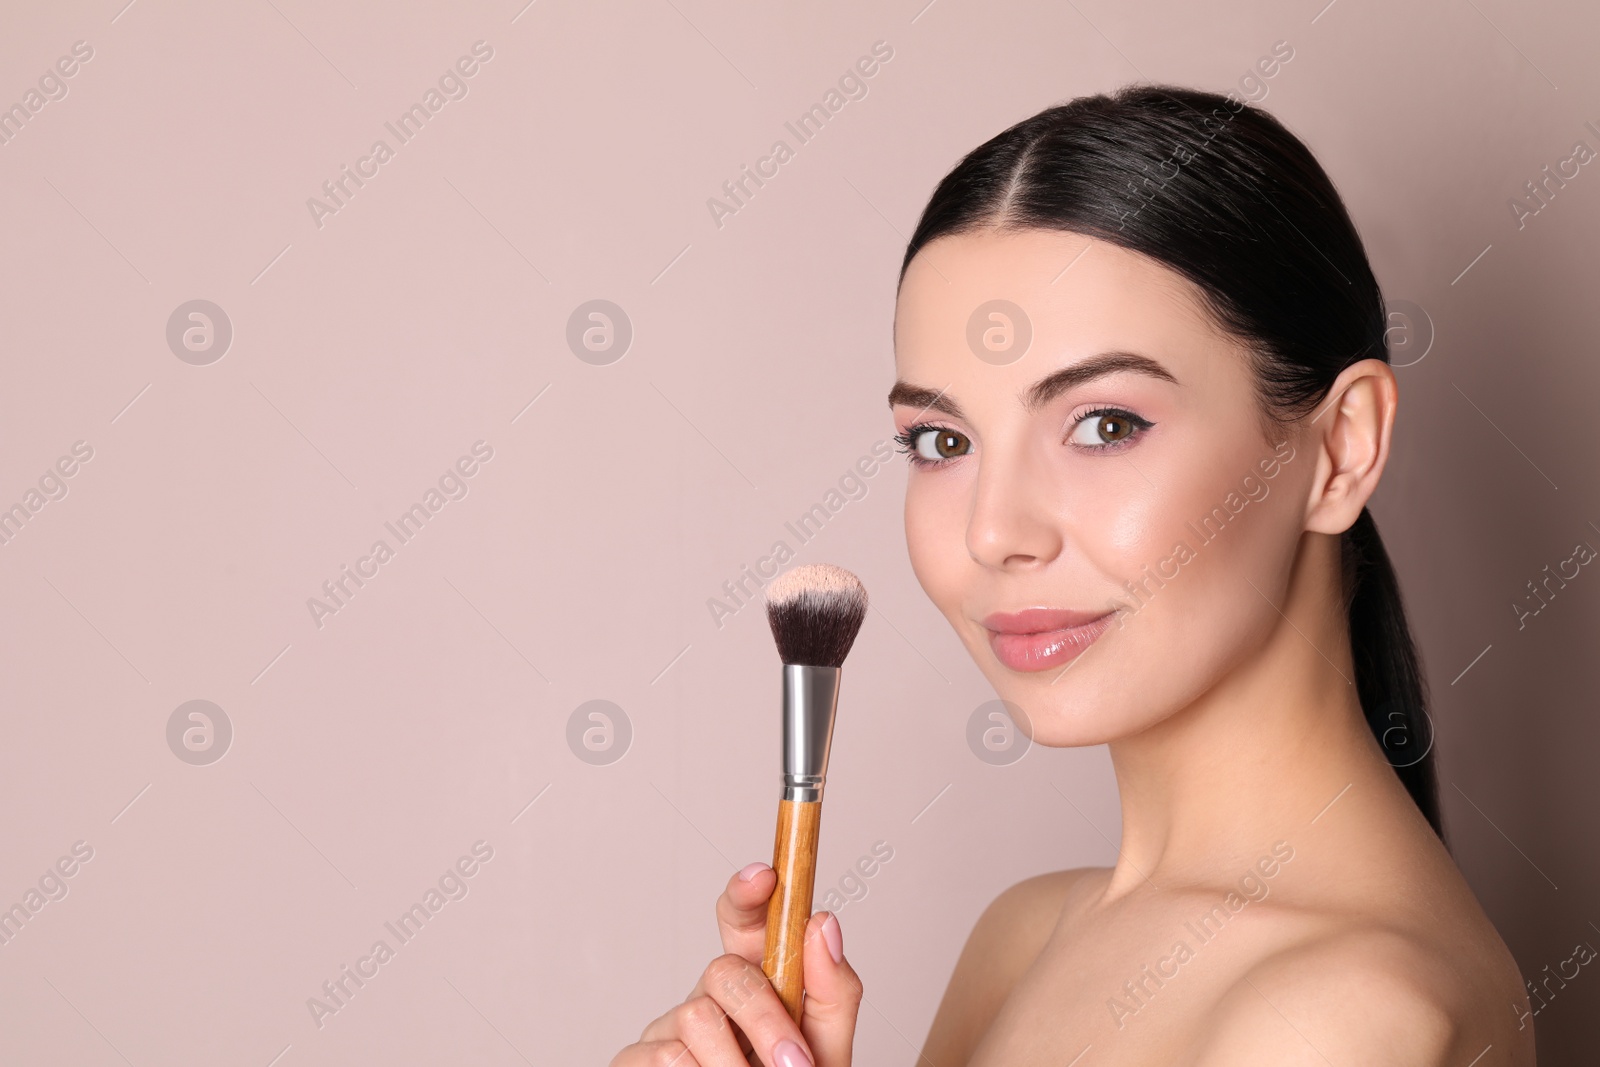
x: 1140, y: 425
x: 908, y: 443
x: 908, y: 439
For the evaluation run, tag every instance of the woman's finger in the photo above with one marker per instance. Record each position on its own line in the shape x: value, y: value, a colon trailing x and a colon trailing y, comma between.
x: 741, y: 989
x: 742, y: 911
x: 656, y: 1054
x: 700, y: 1027
x: 833, y: 993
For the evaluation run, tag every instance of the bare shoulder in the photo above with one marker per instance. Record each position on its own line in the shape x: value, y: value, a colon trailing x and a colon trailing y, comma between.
x: 1005, y: 940
x: 1370, y: 995
x: 1022, y: 916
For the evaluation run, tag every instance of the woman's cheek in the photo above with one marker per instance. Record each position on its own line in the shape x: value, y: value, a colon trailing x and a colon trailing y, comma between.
x: 930, y: 528
x: 1140, y: 529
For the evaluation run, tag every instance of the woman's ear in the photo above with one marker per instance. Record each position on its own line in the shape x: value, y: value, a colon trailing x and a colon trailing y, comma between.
x: 1351, y: 435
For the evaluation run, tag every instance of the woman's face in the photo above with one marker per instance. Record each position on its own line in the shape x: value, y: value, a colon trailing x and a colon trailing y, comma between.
x: 1134, y: 525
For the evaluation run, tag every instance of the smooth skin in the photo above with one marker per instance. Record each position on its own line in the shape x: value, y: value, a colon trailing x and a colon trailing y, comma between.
x: 1225, y: 693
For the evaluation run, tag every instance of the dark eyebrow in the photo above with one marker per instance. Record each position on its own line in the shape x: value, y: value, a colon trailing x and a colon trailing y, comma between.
x: 1045, y: 389
x: 1051, y: 386
x: 914, y: 396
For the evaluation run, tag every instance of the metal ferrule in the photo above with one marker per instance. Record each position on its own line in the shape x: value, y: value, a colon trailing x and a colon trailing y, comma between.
x: 810, y: 696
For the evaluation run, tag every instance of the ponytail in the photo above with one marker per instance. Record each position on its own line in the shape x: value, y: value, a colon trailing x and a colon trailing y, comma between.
x: 1389, y: 680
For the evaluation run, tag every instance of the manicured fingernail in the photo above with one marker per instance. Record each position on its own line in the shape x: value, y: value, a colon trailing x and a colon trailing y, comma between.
x: 789, y: 1054
x: 751, y: 871
x: 834, y: 937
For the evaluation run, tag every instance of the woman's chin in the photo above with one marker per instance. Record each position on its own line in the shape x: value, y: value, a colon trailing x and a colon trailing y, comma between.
x: 1095, y: 730
x: 1068, y: 720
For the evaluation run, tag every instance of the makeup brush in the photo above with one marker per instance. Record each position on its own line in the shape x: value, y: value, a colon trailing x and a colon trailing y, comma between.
x: 815, y: 611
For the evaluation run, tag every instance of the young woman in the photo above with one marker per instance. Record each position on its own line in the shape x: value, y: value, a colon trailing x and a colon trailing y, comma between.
x: 1144, y: 391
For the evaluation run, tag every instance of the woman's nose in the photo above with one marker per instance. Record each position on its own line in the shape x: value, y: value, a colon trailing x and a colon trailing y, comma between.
x: 1012, y: 523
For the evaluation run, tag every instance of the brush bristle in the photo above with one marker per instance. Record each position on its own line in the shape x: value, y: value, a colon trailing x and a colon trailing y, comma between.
x: 815, y: 611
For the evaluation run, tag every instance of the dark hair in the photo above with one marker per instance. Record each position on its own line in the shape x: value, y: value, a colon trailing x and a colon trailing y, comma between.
x: 1220, y: 192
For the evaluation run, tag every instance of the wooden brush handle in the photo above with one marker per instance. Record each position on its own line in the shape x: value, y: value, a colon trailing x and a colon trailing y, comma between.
x: 794, y: 860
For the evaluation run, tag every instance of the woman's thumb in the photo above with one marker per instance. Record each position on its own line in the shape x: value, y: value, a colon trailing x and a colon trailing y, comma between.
x: 833, y: 993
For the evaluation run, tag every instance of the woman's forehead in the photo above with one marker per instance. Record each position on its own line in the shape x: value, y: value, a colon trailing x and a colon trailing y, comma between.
x: 1048, y: 294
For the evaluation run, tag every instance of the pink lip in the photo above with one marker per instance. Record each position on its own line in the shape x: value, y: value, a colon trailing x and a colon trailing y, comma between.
x: 1041, y: 638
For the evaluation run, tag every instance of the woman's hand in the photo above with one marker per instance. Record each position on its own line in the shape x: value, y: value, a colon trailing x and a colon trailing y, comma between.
x: 697, y: 1033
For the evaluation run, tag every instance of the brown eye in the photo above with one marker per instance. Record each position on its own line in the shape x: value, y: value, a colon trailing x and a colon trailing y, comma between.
x: 1114, y: 427
x: 932, y: 445
x: 1106, y: 427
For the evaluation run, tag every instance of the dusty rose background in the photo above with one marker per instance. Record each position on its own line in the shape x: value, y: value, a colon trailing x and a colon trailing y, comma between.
x: 371, y: 352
